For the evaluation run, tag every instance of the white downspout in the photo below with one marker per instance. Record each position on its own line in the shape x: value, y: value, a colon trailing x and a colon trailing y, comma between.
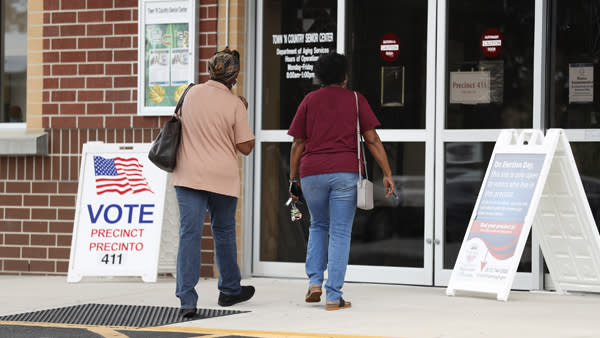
x: 226, y: 23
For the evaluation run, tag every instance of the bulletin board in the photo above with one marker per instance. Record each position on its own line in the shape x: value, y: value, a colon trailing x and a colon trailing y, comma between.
x: 166, y: 53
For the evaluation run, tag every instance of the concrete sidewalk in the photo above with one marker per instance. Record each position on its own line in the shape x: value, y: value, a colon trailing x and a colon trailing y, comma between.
x: 378, y: 310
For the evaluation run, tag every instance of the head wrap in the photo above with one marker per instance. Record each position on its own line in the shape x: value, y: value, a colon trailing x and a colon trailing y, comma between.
x: 224, y: 65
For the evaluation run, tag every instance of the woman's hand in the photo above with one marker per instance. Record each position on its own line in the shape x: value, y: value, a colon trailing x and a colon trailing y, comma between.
x: 295, y: 191
x: 390, y: 186
x: 295, y: 154
x: 378, y: 151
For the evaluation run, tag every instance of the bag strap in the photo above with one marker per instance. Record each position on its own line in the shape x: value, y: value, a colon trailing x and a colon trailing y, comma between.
x: 360, y: 145
x: 178, y: 111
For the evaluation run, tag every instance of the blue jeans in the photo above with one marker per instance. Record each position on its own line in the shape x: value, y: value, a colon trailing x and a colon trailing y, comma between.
x: 192, y: 210
x: 331, y: 201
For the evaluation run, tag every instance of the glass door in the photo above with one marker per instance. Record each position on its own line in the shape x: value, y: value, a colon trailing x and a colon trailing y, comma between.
x: 485, y: 83
x: 391, y: 49
x: 573, y: 87
x: 290, y: 35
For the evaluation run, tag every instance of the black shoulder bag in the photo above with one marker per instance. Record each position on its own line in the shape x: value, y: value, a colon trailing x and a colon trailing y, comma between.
x: 163, y: 152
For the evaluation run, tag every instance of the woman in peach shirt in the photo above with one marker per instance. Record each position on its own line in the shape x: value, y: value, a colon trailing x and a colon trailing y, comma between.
x: 214, y: 127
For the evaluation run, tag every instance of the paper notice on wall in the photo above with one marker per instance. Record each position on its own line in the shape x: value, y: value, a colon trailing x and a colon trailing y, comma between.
x: 581, y: 83
x: 180, y: 66
x: 470, y: 87
x: 158, y: 69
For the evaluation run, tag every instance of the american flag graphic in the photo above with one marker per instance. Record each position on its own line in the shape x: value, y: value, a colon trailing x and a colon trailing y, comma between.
x: 119, y: 175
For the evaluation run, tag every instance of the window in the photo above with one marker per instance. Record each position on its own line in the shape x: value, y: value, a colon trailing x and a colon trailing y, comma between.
x: 395, y: 88
x: 490, y: 64
x: 13, y: 69
x: 296, y: 33
x: 573, y: 85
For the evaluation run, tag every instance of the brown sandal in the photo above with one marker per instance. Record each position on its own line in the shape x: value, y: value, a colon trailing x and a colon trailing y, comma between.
x: 314, y: 294
x: 338, y: 306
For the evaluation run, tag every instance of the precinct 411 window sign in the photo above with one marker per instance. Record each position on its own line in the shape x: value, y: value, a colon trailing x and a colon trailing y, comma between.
x: 166, y: 53
x: 119, y: 212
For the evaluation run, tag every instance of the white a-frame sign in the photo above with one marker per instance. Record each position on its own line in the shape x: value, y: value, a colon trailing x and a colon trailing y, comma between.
x: 119, y: 214
x: 531, y: 181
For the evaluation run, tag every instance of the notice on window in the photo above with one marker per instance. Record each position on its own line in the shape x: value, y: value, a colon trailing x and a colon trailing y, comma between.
x: 299, y: 52
x: 581, y: 83
x: 496, y: 69
x: 392, y: 86
x: 470, y: 87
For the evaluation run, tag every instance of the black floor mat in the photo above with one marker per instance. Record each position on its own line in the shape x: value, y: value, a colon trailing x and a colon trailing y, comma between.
x: 22, y: 330
x: 114, y: 315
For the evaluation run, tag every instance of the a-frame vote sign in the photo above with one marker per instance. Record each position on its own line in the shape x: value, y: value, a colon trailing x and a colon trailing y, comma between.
x: 531, y: 181
x: 119, y: 214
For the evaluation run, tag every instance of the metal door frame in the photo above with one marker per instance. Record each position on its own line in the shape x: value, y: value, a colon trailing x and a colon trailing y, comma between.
x: 533, y: 280
x: 379, y: 274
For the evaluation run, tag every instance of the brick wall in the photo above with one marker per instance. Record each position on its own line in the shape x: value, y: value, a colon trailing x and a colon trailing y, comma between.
x: 89, y: 94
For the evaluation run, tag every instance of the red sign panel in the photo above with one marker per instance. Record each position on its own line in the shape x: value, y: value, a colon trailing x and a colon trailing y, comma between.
x: 491, y: 42
x: 389, y: 47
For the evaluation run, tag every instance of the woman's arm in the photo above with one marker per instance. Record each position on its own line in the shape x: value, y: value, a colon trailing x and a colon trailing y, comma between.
x: 376, y: 148
x: 295, y: 153
x: 245, y: 147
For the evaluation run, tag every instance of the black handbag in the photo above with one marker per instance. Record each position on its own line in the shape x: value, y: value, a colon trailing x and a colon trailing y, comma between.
x: 163, y: 152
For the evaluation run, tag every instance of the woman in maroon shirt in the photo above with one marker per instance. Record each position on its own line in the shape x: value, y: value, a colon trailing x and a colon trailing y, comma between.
x: 325, y: 151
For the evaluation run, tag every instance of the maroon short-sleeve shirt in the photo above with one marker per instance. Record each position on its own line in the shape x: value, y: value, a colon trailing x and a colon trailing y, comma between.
x: 326, y: 120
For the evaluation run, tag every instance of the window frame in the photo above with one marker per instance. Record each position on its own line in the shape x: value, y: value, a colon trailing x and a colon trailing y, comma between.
x: 8, y: 125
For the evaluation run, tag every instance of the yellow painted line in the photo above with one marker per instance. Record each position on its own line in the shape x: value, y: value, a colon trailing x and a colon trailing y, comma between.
x: 258, y: 333
x: 106, y: 332
x: 110, y: 331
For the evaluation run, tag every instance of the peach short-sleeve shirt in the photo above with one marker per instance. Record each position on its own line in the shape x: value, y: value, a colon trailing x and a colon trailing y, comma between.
x: 213, y: 122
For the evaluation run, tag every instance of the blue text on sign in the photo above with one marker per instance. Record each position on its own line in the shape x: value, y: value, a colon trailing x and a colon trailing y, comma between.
x: 114, y: 213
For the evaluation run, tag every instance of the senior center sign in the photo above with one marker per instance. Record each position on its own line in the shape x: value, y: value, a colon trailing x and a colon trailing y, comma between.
x: 119, y: 213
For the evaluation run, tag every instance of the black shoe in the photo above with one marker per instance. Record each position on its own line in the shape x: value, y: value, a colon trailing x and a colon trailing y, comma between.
x: 187, y: 313
x: 228, y: 300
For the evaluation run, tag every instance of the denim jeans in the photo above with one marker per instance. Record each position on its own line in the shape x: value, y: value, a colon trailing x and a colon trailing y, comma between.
x: 331, y: 201
x: 192, y: 210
